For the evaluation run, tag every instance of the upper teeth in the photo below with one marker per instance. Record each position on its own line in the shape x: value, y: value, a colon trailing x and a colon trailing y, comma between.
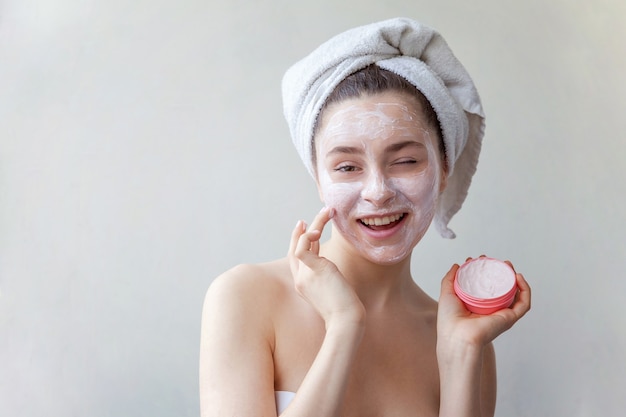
x: 382, y: 221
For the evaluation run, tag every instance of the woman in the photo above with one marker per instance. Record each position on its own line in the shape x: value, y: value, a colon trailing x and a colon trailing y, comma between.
x: 389, y: 125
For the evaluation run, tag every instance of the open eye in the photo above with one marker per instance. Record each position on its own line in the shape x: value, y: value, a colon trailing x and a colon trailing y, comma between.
x: 346, y: 168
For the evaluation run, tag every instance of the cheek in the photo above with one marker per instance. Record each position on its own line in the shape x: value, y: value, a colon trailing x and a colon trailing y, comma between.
x: 421, y: 191
x: 340, y: 196
x: 424, y: 188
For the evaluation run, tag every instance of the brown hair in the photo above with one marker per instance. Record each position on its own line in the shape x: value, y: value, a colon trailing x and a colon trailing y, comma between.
x: 371, y: 80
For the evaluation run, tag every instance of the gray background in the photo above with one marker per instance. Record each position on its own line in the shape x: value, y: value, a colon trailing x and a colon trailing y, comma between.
x: 143, y: 152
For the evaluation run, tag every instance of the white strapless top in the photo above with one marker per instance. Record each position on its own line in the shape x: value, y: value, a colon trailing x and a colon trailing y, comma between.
x: 283, y: 398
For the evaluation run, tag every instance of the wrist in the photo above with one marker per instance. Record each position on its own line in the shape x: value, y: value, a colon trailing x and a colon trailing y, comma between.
x: 346, y: 325
x: 458, y: 351
x: 346, y: 318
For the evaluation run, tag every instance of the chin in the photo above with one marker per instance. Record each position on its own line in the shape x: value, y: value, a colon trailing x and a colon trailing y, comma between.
x: 385, y: 255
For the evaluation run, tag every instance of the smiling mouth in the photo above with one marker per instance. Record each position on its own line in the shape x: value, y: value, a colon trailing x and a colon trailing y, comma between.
x: 381, y: 223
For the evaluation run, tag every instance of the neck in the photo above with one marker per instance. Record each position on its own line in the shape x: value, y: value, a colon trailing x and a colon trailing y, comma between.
x: 378, y: 286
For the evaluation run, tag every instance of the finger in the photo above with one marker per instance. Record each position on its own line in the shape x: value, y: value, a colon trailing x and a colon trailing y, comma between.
x: 322, y: 218
x: 315, y: 246
x: 447, y: 283
x: 509, y: 263
x: 293, y: 243
x: 303, y: 250
x: 295, y: 235
x: 449, y: 302
x: 318, y: 224
x: 523, y: 299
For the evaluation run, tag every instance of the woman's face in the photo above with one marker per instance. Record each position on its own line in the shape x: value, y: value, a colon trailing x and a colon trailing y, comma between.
x: 379, y: 167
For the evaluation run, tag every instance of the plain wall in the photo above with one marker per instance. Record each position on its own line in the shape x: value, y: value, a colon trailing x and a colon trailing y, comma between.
x: 143, y: 152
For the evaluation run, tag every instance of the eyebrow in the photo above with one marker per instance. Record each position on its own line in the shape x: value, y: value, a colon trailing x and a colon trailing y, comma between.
x: 345, y: 150
x: 390, y: 149
x: 401, y: 145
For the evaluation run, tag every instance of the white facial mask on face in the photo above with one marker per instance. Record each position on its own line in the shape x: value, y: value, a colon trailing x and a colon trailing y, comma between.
x: 372, y: 197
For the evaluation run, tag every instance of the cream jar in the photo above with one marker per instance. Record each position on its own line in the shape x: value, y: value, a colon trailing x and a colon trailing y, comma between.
x: 485, y: 285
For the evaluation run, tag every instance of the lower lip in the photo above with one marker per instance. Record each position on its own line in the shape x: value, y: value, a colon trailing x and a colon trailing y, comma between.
x: 383, y: 234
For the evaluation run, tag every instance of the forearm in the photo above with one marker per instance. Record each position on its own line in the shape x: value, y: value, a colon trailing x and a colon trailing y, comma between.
x: 323, y: 388
x: 460, y: 370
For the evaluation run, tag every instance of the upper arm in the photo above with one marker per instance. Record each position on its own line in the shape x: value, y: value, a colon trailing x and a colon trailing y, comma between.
x: 236, y: 365
x: 488, y: 389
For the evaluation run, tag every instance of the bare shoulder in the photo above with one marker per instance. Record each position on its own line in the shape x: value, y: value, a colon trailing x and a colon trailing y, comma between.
x: 237, y: 339
x: 251, y: 279
x: 249, y: 289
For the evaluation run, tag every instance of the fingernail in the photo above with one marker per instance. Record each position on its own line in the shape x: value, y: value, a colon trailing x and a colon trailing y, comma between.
x: 330, y: 210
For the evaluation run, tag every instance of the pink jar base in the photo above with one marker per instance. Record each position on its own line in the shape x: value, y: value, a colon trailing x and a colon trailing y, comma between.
x: 486, y: 310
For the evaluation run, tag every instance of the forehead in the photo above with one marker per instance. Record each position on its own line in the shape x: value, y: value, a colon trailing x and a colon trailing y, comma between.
x: 373, y: 116
x: 372, y: 101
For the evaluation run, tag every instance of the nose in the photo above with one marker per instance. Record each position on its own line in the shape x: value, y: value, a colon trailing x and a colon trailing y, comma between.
x: 377, y: 190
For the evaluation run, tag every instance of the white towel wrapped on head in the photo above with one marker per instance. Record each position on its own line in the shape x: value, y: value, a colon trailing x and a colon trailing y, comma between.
x: 421, y: 56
